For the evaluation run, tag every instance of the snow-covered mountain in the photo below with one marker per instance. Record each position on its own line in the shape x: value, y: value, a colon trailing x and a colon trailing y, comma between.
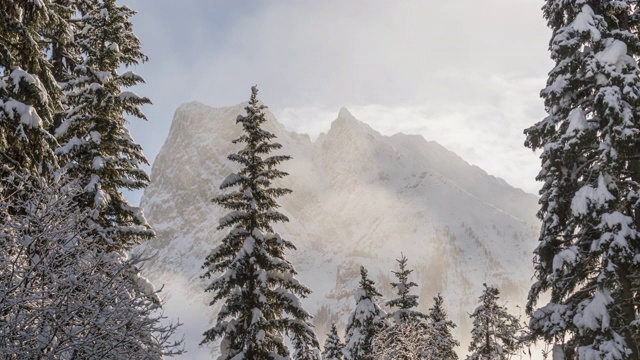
x: 359, y: 198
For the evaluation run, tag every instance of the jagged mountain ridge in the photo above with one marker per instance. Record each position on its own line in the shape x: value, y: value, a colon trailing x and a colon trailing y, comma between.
x: 358, y: 198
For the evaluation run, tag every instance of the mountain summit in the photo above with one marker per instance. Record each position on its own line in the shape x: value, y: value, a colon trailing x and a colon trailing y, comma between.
x: 359, y: 198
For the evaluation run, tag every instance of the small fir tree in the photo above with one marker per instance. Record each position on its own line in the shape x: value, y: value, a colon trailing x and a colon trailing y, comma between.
x: 409, y: 325
x: 365, y: 322
x: 442, y: 339
x: 405, y: 302
x: 495, y: 333
x: 253, y: 277
x: 333, y: 346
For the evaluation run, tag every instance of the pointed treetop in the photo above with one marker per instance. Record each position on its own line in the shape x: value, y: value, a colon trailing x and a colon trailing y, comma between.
x: 367, y: 286
x: 254, y: 92
x: 253, y: 101
x: 437, y: 313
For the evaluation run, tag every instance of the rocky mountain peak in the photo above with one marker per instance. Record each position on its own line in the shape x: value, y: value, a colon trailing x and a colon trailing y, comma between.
x: 346, y: 125
x: 345, y: 114
x: 359, y: 198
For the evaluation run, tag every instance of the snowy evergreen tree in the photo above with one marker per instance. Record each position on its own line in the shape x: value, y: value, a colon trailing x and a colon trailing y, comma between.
x: 365, y: 322
x: 405, y: 302
x: 61, y: 297
x: 251, y: 274
x: 586, y: 261
x: 442, y: 339
x: 495, y: 333
x: 410, y: 327
x: 333, y: 346
x: 96, y: 146
x: 29, y: 93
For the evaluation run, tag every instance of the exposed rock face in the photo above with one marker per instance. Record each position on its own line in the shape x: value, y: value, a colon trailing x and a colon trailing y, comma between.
x: 359, y: 198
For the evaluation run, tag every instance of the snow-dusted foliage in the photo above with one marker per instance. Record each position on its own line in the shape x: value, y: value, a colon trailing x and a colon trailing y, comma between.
x: 64, y: 297
x: 496, y: 333
x: 441, y: 338
x: 29, y: 94
x: 587, y: 260
x: 67, y: 290
x: 95, y: 145
x: 332, y: 345
x: 365, y: 322
x: 410, y: 340
x: 250, y: 271
x: 416, y: 337
x: 405, y: 302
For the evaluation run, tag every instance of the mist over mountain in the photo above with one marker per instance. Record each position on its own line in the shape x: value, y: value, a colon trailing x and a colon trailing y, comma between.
x: 359, y: 198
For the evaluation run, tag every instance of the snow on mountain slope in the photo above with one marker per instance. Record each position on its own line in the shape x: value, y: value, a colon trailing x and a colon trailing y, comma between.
x: 359, y: 198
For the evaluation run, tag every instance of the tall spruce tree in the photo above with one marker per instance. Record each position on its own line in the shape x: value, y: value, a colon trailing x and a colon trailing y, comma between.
x: 495, y: 334
x: 251, y: 274
x: 365, y: 322
x: 586, y: 261
x: 332, y: 345
x: 443, y: 342
x: 96, y: 147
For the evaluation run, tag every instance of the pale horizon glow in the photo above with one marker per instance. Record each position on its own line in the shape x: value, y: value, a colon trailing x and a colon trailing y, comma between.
x: 463, y: 73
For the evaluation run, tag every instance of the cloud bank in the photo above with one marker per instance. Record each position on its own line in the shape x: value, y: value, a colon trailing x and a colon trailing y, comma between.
x: 465, y: 73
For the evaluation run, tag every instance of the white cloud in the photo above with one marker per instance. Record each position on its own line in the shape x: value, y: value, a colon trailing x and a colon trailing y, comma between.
x: 465, y: 73
x: 487, y: 132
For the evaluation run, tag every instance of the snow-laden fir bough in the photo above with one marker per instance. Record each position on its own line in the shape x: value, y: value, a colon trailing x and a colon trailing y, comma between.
x: 95, y: 146
x: 250, y: 272
x: 29, y: 94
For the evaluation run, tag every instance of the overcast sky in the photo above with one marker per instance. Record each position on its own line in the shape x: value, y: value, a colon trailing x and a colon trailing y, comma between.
x: 465, y: 73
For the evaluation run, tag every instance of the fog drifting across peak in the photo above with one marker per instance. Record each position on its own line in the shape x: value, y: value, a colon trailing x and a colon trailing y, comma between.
x: 480, y: 134
x: 474, y: 61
